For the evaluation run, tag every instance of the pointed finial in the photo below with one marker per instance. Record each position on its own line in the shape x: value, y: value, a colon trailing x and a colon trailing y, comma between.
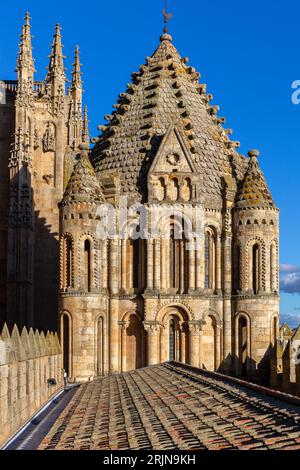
x: 27, y: 19
x: 56, y: 65
x: 25, y: 62
x: 254, y: 153
x: 167, y: 16
x: 76, y: 72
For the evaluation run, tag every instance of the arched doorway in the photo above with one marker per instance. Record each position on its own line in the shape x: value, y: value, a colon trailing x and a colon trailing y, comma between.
x: 134, y: 343
x: 209, y: 344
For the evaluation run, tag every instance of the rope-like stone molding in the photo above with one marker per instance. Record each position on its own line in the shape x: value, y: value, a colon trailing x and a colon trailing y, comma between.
x: 63, y: 260
x: 94, y: 258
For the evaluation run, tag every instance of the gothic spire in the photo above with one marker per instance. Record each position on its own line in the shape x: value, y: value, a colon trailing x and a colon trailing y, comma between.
x: 56, y: 65
x: 25, y: 62
x: 76, y: 72
x: 85, y: 127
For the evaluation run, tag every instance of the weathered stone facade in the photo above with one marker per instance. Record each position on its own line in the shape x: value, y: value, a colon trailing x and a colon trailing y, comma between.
x: 285, y: 361
x: 211, y: 299
x: 41, y: 125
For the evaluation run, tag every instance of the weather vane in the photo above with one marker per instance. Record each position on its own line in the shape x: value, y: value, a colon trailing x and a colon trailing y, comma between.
x: 167, y: 16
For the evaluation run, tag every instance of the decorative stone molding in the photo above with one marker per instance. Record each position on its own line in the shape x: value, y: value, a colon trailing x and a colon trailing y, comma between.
x: 49, y: 138
x: 172, y: 303
x: 152, y: 328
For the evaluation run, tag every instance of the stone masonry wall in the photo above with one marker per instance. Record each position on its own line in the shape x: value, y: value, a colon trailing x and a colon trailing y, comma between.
x: 27, y: 361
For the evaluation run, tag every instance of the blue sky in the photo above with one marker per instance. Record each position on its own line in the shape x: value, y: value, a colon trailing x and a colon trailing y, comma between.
x: 247, y: 53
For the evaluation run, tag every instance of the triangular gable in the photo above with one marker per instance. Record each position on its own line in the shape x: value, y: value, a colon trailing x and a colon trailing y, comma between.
x: 173, y: 154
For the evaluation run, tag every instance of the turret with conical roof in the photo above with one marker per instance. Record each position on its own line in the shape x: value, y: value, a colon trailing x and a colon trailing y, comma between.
x: 254, y: 191
x: 83, y: 186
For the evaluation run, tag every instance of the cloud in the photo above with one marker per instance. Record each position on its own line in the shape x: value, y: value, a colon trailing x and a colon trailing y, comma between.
x: 290, y: 278
x: 289, y: 268
x: 291, y: 319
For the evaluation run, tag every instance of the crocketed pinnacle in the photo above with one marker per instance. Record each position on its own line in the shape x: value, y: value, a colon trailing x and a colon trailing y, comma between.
x: 254, y: 191
x: 85, y: 127
x: 83, y: 186
x: 25, y: 60
x: 56, y: 67
x: 76, y: 72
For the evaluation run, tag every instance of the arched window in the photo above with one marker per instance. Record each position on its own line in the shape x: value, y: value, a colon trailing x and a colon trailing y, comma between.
x: 237, y: 275
x: 137, y: 251
x: 68, y: 263
x: 210, y: 259
x: 87, y: 265
x: 178, y: 257
x: 255, y: 269
x: 171, y: 340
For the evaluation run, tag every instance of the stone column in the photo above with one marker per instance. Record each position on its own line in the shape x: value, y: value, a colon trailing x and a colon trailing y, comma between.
x: 194, y: 342
x: 157, y: 264
x: 183, y: 337
x: 227, y: 283
x: 219, y: 266
x: 124, y: 327
x: 218, y: 346
x: 182, y: 265
x: 150, y: 264
x: 123, y: 264
x: 152, y: 329
x: 104, y: 263
x: 201, y: 347
x: 164, y: 349
x: 163, y: 264
x: 191, y: 272
x: 114, y: 307
x: 198, y: 264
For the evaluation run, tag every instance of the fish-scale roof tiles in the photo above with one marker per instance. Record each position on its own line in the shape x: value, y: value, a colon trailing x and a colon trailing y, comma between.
x: 83, y: 185
x: 254, y: 191
x: 163, y: 91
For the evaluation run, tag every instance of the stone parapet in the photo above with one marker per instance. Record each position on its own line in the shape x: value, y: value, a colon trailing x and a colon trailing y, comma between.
x: 27, y: 362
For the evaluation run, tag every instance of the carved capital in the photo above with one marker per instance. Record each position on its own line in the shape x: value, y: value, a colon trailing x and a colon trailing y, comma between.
x: 152, y: 328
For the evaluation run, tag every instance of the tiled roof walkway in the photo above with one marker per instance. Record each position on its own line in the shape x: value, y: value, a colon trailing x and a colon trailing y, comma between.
x: 170, y: 406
